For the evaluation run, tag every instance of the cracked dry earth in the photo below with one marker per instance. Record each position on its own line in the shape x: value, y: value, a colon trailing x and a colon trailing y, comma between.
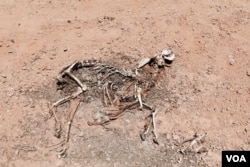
x: 205, y: 90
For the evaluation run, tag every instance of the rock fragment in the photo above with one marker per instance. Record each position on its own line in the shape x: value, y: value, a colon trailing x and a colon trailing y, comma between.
x: 231, y: 59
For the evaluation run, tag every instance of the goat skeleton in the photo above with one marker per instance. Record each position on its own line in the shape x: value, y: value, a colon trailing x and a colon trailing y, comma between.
x: 114, y: 92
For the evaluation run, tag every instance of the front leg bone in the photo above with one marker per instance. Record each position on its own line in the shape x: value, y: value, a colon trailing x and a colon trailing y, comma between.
x: 67, y: 98
x: 139, y: 92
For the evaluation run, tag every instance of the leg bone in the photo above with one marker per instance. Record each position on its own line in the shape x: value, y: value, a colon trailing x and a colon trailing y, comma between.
x: 67, y: 98
x: 154, y: 127
x: 139, y: 92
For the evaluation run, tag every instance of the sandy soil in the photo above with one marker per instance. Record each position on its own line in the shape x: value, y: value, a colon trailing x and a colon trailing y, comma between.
x: 206, y: 89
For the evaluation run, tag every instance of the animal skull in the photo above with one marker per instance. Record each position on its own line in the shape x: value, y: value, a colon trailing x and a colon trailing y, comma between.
x: 159, y: 59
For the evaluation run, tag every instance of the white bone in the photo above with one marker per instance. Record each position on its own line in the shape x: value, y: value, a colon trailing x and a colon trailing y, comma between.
x: 166, y: 52
x: 170, y: 57
x: 143, y: 62
x: 139, y: 91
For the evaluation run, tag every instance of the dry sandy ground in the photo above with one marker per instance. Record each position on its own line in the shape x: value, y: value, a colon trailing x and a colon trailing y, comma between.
x: 206, y: 89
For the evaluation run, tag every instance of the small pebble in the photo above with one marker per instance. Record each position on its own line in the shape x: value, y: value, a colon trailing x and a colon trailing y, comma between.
x: 81, y: 134
x: 231, y: 60
x: 10, y: 92
x: 17, y: 152
x: 248, y: 72
x: 12, y: 41
x: 66, y: 49
x: 3, y: 75
x: 32, y: 106
x: 239, y: 91
x: 169, y: 136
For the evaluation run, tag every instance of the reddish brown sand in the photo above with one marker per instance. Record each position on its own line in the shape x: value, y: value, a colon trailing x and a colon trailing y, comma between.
x: 206, y: 89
